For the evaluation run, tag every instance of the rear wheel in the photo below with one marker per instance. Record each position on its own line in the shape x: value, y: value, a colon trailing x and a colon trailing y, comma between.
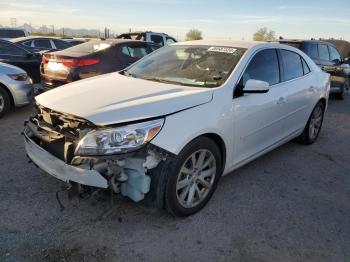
x: 5, y: 102
x: 193, y: 177
x: 339, y: 96
x: 313, y: 126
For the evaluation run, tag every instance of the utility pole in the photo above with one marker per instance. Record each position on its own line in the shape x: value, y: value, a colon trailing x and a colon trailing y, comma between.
x: 13, y: 21
x: 63, y: 31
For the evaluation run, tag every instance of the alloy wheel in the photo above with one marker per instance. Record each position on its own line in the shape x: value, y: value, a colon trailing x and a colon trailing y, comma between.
x: 196, y: 178
x: 2, y: 103
x: 315, y: 122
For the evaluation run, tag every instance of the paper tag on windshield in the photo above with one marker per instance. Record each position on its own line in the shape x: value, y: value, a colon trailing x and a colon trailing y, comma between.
x: 228, y: 50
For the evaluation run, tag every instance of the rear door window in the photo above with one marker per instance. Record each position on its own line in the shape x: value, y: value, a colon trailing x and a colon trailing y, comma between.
x: 264, y: 66
x: 42, y: 43
x: 323, y: 52
x: 292, y: 65
x: 158, y: 39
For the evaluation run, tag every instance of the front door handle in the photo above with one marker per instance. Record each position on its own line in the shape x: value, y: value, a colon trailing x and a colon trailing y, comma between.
x: 312, y: 89
x: 281, y: 100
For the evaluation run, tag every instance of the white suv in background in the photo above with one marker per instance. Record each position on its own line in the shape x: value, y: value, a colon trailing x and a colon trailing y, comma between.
x: 148, y: 36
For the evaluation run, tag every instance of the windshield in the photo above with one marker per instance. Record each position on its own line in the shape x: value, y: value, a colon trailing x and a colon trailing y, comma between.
x: 202, y: 66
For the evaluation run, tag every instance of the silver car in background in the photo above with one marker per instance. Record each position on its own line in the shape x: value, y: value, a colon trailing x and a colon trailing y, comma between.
x: 16, y: 88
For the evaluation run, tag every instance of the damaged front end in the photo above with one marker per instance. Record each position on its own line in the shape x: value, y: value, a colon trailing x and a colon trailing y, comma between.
x: 73, y: 149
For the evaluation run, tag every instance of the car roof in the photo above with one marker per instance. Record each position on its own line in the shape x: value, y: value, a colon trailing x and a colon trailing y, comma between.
x: 300, y: 41
x: 227, y: 43
x: 120, y: 41
x: 26, y: 38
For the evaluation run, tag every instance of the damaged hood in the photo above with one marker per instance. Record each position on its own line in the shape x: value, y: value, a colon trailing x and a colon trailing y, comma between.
x: 114, y: 98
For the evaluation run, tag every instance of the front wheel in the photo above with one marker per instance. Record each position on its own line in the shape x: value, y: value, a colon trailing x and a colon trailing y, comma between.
x: 313, y: 126
x: 194, y: 177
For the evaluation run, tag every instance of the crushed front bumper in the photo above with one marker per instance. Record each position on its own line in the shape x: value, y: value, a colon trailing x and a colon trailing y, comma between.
x: 60, y: 169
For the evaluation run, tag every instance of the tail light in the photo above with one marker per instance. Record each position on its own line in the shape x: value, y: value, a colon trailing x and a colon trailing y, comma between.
x: 43, y: 59
x: 78, y: 62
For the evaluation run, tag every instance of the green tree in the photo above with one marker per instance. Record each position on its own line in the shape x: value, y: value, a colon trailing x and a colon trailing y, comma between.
x: 264, y: 34
x: 194, y: 34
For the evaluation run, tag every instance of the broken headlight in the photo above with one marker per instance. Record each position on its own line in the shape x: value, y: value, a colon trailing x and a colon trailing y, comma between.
x: 119, y: 139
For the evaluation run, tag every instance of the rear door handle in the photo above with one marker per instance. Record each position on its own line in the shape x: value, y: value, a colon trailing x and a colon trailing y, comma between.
x: 281, y: 100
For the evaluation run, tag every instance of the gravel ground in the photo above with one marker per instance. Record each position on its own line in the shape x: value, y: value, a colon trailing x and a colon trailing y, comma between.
x: 292, y: 204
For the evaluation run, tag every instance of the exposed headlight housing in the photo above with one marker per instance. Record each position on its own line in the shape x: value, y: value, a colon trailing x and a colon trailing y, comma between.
x: 19, y: 77
x: 118, y: 140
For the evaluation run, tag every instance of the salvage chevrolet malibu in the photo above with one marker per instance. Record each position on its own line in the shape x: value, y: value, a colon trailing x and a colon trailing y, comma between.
x: 169, y: 126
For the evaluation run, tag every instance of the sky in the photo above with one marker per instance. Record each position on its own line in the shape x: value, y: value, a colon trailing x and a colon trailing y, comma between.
x: 220, y: 19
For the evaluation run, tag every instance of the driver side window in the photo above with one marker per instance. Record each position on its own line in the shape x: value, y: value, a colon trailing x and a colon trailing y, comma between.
x: 263, y: 66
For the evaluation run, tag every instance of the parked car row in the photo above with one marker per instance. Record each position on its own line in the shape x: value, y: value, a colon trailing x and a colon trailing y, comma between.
x: 327, y: 57
x: 37, y: 44
x: 15, y: 88
x: 93, y: 58
x: 55, y: 62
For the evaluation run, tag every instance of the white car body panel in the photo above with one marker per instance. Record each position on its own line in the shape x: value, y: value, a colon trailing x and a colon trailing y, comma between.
x: 119, y: 99
x: 249, y: 125
x: 246, y: 123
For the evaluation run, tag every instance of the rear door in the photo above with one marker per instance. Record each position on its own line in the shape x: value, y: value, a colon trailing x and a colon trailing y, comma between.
x: 302, y: 91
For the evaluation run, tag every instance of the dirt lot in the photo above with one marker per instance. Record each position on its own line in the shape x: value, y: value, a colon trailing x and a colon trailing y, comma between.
x: 293, y: 204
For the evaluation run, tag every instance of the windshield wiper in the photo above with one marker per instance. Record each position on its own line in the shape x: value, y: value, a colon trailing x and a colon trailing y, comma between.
x: 160, y: 80
x: 126, y: 73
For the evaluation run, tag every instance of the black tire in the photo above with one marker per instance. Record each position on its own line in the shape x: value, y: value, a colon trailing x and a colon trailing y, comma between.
x: 166, y: 182
x: 5, y: 102
x: 339, y: 96
x: 306, y: 137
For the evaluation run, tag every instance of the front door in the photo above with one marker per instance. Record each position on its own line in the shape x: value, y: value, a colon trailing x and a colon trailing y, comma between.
x: 259, y: 118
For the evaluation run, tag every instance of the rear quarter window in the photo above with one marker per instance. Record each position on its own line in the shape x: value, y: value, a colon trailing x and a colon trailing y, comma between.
x: 306, y: 67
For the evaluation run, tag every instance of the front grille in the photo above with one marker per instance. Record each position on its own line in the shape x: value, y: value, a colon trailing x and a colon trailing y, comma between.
x: 56, y: 132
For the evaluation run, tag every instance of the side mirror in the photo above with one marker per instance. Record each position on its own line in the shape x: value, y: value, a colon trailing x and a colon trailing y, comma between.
x: 336, y: 61
x: 256, y: 86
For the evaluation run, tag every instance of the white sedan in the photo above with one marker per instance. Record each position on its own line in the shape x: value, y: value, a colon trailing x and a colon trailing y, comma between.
x: 169, y: 126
